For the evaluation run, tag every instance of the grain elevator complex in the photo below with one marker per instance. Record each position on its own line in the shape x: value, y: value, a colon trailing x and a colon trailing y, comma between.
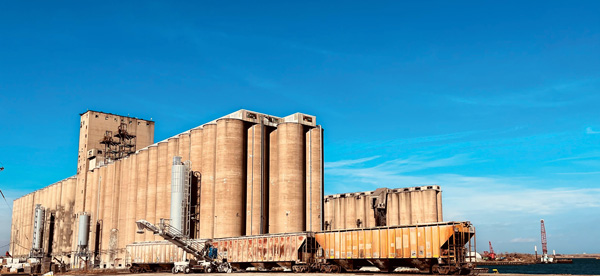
x: 246, y: 174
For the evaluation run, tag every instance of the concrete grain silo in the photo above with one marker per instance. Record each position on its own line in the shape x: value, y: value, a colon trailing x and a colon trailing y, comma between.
x: 196, y: 166
x: 207, y: 187
x: 132, y: 200
x: 114, y: 213
x: 162, y: 181
x: 184, y: 146
x: 440, y: 217
x: 430, y: 202
x: 107, y: 206
x: 196, y: 149
x: 291, y: 187
x: 405, y: 209
x: 151, y: 189
x: 273, y: 181
x: 229, y: 179
x: 314, y: 179
x: 256, y: 193
x: 124, y: 200
x: 63, y: 219
x: 142, y: 188
x: 416, y: 207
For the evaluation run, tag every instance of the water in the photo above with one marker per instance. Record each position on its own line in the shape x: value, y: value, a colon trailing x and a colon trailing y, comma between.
x: 578, y: 267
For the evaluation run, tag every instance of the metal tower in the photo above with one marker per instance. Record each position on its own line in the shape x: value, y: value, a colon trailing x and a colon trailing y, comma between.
x: 544, y: 243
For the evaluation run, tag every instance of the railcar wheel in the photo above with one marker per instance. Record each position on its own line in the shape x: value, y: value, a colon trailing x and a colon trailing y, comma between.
x: 174, y: 270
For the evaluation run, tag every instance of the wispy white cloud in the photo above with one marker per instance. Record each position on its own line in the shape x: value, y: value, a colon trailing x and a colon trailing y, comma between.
x: 579, y: 173
x: 518, y: 240
x: 343, y: 163
x: 465, y: 196
x: 547, y: 96
x: 589, y: 130
x: 587, y: 155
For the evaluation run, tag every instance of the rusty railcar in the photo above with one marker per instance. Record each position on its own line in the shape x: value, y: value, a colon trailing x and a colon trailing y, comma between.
x: 434, y: 247
x: 267, y: 251
x: 439, y: 247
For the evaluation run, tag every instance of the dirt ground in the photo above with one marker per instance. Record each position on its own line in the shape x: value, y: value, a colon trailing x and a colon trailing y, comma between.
x: 324, y: 274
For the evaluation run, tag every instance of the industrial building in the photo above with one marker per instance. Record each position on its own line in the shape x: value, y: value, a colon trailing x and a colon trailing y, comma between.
x: 254, y: 174
x: 249, y: 174
x: 383, y: 207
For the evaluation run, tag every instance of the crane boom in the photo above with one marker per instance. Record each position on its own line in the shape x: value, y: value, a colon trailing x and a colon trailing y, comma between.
x: 491, y: 255
x: 544, y: 242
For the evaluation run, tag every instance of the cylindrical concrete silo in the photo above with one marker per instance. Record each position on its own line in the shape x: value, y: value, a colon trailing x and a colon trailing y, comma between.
x: 196, y: 166
x: 56, y: 194
x: 229, y: 180
x: 100, y: 194
x: 273, y: 182
x: 368, y: 211
x: 314, y: 179
x: 124, y: 191
x: 256, y: 193
x: 416, y: 206
x: 177, y: 194
x: 70, y: 211
x: 16, y: 233
x: 142, y: 189
x: 393, y: 211
x: 60, y: 217
x: 107, y: 192
x: 338, y: 215
x: 20, y: 211
x: 131, y: 227
x: 439, y: 206
x: 351, y: 212
x: 344, y: 221
x: 87, y: 192
x: 64, y: 218
x: 184, y: 146
x: 196, y: 149
x: 292, y: 206
x: 328, y: 203
x: 17, y: 228
x: 430, y: 205
x: 117, y: 197
x: 151, y: 192
x: 360, y: 210
x: 162, y: 180
x: 207, y: 187
x: 405, y: 208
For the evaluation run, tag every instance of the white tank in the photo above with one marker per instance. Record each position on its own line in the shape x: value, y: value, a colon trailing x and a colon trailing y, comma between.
x: 83, y: 234
x: 38, y: 227
x: 177, y: 195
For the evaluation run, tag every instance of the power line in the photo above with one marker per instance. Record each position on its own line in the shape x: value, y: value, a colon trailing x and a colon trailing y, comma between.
x: 1, y: 193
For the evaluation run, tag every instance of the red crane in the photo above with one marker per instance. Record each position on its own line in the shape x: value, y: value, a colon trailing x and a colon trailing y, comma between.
x: 544, y: 243
x: 492, y: 255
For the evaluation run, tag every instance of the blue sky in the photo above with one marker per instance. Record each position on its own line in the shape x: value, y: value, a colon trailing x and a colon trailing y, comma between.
x: 497, y: 102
